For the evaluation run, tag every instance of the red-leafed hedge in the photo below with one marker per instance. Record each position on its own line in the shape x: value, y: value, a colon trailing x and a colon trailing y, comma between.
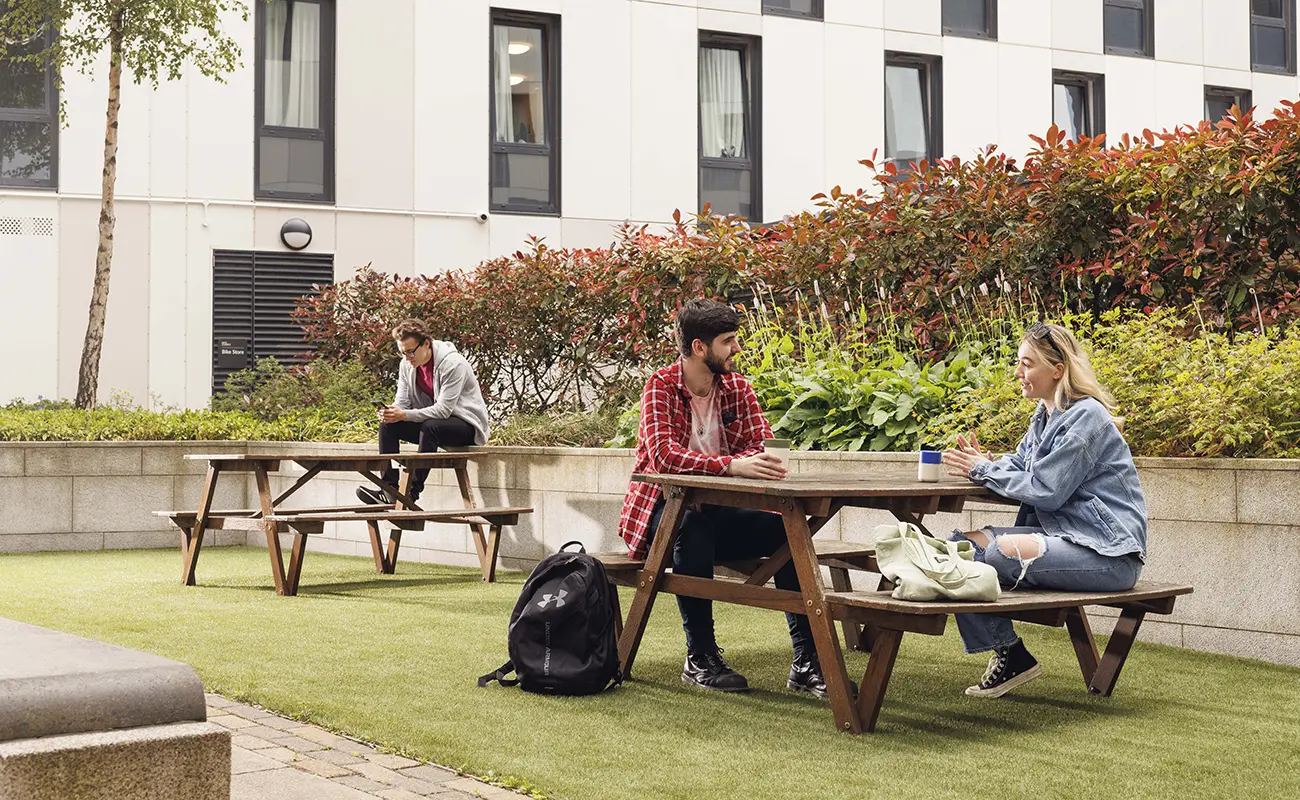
x: 1207, y: 215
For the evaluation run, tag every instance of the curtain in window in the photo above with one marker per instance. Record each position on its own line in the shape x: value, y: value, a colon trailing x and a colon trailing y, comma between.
x: 1067, y: 109
x: 906, y: 137
x: 293, y: 35
x: 722, y: 104
x: 505, y: 116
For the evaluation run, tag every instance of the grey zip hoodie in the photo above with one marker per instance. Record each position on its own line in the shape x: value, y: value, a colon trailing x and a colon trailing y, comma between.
x: 454, y: 385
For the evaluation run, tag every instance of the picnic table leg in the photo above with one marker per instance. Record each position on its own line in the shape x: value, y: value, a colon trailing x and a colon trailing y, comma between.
x: 1085, y: 647
x: 272, y: 530
x: 840, y: 582
x: 1121, y: 641
x: 492, y: 548
x: 192, y: 539
x: 295, y: 563
x: 486, y: 550
x: 650, y: 577
x: 394, y: 544
x: 819, y: 616
x: 875, y: 681
x: 377, y: 548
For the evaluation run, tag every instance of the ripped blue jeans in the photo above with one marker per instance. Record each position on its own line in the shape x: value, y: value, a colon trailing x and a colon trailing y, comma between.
x: 1060, y: 565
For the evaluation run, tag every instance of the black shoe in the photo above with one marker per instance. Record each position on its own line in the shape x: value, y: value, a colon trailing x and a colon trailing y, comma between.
x: 373, y: 496
x: 1009, y: 667
x: 708, y: 671
x: 806, y: 676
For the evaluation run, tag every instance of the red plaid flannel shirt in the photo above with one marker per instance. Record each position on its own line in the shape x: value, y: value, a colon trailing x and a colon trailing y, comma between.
x: 664, y: 436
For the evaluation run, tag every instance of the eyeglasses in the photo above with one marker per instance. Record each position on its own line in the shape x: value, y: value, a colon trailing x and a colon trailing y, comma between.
x: 1041, y: 332
x: 404, y: 353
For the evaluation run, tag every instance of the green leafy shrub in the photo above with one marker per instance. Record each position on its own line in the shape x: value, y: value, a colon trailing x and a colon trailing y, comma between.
x: 113, y: 424
x: 270, y: 391
x: 558, y: 429
x: 1198, y: 393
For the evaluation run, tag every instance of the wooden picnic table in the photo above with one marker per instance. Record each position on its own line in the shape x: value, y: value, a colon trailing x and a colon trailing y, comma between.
x: 274, y: 519
x: 806, y: 502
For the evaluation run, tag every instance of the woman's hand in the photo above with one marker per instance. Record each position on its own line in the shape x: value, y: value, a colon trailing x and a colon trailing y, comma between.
x: 965, y: 456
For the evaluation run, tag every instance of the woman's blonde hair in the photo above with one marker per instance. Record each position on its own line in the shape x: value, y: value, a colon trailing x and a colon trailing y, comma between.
x: 1056, y: 345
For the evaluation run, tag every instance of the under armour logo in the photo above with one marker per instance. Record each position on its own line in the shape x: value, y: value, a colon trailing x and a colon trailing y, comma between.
x: 558, y: 598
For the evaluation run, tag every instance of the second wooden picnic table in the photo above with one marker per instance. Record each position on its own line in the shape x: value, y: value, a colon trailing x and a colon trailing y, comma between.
x: 274, y: 519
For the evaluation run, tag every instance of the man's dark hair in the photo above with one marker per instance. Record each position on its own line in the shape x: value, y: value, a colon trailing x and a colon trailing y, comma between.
x: 705, y: 320
x: 411, y: 329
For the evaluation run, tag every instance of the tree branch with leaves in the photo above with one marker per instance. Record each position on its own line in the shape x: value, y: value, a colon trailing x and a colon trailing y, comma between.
x: 153, y: 41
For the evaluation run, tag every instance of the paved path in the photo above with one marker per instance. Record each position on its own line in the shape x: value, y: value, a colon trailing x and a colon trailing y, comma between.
x: 273, y: 758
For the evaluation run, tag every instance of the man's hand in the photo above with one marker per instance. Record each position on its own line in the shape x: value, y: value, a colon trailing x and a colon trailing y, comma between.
x: 392, y: 414
x: 764, y: 466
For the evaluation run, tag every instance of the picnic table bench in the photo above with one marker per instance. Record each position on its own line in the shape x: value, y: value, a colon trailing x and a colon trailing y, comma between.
x: 872, y: 620
x: 274, y: 519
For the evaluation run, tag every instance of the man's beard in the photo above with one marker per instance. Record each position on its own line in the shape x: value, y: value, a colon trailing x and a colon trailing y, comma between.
x: 718, y: 366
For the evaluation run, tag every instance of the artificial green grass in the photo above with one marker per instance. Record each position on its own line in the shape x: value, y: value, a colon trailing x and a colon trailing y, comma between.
x: 394, y: 659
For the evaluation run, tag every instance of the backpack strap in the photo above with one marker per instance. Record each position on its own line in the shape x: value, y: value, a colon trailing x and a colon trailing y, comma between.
x: 581, y: 547
x: 499, y: 675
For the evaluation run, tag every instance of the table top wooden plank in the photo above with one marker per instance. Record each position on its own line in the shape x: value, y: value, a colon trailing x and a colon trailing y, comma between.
x: 887, y: 483
x: 1027, y: 600
x: 414, y: 458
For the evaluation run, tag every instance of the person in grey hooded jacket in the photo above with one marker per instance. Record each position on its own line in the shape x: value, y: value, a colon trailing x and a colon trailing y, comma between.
x: 438, y: 404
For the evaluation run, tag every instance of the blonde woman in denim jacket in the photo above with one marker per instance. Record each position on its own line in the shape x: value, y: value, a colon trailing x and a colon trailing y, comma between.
x: 1082, y: 524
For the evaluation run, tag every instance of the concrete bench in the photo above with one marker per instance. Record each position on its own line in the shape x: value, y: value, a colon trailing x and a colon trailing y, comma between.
x: 83, y: 720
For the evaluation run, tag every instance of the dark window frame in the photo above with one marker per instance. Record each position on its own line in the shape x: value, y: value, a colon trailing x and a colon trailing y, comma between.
x: 48, y: 115
x: 1148, y: 9
x: 325, y: 134
x: 989, y: 34
x: 1242, y: 98
x: 751, y: 76
x: 1094, y: 84
x: 932, y: 99
x: 550, y: 26
x: 818, y: 12
x: 1287, y: 24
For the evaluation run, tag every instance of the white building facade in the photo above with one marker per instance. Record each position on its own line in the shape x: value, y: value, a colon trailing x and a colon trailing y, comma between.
x: 426, y: 135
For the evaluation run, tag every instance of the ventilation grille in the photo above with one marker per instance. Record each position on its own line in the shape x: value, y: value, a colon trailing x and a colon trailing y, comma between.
x: 26, y: 226
x: 253, y: 297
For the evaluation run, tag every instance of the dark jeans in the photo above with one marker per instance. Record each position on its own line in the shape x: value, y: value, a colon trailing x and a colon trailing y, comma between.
x: 718, y: 534
x: 429, y: 435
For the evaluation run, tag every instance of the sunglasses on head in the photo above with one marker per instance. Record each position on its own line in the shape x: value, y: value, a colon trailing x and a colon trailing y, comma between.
x: 1042, y: 332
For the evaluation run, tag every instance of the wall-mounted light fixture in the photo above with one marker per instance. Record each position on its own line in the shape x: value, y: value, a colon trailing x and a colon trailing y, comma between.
x: 295, y: 233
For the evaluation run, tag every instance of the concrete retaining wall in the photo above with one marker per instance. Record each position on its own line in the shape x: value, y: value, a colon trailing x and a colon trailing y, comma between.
x: 1229, y: 527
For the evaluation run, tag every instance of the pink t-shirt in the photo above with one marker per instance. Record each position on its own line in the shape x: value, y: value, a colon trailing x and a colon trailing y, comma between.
x: 424, y: 379
x: 706, y: 424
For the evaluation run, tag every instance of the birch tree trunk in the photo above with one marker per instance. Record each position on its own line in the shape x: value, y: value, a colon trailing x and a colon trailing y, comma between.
x: 88, y: 377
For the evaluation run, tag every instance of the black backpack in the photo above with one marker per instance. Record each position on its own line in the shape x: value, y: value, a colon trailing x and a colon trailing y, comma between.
x: 561, y: 635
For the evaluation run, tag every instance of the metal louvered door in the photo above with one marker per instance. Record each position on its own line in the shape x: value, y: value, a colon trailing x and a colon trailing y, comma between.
x: 253, y: 297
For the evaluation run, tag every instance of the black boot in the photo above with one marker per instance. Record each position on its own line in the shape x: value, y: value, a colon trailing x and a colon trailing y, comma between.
x: 1009, y: 667
x: 707, y: 670
x: 806, y: 676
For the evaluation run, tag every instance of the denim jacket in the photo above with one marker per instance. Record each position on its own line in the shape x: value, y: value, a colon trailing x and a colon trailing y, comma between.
x: 1074, y: 469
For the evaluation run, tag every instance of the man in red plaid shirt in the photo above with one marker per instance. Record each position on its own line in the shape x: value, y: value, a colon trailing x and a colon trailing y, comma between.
x: 698, y: 416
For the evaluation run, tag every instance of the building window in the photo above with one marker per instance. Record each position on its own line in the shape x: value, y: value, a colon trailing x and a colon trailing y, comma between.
x: 1272, y: 36
x: 913, y: 108
x: 253, y: 298
x: 1128, y: 27
x: 808, y: 9
x: 525, y: 113
x: 29, y: 123
x: 1220, y: 99
x: 295, y: 100
x: 730, y: 86
x: 974, y: 18
x: 1079, y: 103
